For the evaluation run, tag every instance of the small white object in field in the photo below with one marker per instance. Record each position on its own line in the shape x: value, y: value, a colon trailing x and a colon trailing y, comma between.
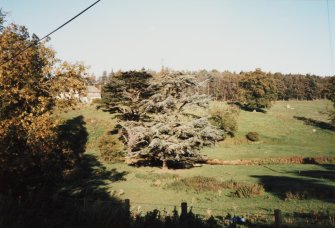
x: 254, y: 110
x: 288, y: 106
x: 292, y: 108
x: 314, y: 130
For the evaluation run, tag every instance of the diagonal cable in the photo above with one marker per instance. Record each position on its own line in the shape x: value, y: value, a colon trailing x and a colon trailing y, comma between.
x: 55, y: 30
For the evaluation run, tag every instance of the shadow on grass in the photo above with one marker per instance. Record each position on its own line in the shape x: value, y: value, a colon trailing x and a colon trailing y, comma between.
x: 316, y: 123
x: 249, y: 109
x: 73, y: 133
x: 80, y: 199
x: 296, y: 188
x: 90, y: 181
x: 328, y: 174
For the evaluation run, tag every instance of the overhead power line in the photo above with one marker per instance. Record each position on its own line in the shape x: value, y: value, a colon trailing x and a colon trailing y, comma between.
x: 49, y: 34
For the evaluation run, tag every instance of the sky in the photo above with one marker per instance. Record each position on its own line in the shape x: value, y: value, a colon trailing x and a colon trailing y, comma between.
x: 288, y: 36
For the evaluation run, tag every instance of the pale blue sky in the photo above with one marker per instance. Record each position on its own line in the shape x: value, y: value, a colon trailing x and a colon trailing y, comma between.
x: 275, y: 35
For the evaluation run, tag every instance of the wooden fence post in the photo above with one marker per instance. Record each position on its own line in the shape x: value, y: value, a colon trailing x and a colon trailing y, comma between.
x: 278, y: 218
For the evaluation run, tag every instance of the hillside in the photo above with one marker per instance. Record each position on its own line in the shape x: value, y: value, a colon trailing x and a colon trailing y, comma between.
x: 299, y: 130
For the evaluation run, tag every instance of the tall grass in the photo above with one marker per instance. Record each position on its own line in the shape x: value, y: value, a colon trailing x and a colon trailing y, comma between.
x: 202, y: 184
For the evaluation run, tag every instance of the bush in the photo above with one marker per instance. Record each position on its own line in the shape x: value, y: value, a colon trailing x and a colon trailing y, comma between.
x: 111, y: 149
x: 203, y: 184
x: 253, y: 136
x: 96, y: 101
x: 296, y: 195
x: 224, y: 118
x: 246, y: 191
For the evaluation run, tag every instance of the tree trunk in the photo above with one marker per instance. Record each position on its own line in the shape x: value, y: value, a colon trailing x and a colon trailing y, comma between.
x: 165, y: 165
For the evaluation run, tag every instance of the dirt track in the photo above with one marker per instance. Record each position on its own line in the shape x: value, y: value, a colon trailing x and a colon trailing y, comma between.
x: 284, y: 160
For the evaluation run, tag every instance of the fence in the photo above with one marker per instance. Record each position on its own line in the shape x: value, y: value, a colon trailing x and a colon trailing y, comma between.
x: 128, y: 210
x: 278, y: 218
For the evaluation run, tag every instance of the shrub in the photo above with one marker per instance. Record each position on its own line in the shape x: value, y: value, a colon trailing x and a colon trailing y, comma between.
x: 111, y: 149
x: 224, y: 118
x: 296, y: 195
x: 245, y: 191
x: 96, y: 101
x: 202, y: 184
x: 253, y: 136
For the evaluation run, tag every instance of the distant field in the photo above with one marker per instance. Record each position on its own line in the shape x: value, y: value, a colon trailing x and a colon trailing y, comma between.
x: 282, y: 135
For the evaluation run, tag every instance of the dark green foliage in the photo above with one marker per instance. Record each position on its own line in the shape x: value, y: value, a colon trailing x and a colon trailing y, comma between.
x: 111, y: 149
x: 154, y: 121
x: 279, y: 80
x: 332, y: 89
x: 257, y: 90
x: 125, y: 92
x: 330, y: 112
x: 331, y: 117
x: 2, y: 19
x: 311, y: 88
x: 225, y: 85
x: 253, y: 136
x: 225, y: 118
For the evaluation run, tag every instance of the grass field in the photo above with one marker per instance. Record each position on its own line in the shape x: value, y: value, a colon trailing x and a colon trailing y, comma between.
x: 283, y: 131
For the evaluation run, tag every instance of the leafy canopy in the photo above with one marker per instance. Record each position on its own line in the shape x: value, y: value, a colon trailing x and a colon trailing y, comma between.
x: 257, y: 90
x: 31, y: 150
x: 157, y: 121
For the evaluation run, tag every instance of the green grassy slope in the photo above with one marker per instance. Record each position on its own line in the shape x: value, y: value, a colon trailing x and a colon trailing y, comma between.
x: 281, y: 135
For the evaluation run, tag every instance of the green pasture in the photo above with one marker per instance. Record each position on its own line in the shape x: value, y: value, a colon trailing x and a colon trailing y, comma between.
x: 283, y: 131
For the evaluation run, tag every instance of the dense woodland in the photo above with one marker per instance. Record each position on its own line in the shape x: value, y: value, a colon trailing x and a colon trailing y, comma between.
x: 225, y: 85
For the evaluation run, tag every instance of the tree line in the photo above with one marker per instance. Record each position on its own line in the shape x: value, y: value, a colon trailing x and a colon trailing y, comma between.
x: 224, y: 86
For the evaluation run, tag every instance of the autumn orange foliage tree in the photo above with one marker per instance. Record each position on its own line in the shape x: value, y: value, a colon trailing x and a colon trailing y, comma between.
x: 31, y: 150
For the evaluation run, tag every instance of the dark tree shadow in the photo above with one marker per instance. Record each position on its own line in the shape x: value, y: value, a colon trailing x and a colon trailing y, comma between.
x: 73, y: 132
x: 80, y: 199
x: 316, y: 123
x: 90, y: 181
x: 328, y: 174
x: 85, y: 188
x: 248, y: 109
x: 281, y: 186
x: 83, y: 199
